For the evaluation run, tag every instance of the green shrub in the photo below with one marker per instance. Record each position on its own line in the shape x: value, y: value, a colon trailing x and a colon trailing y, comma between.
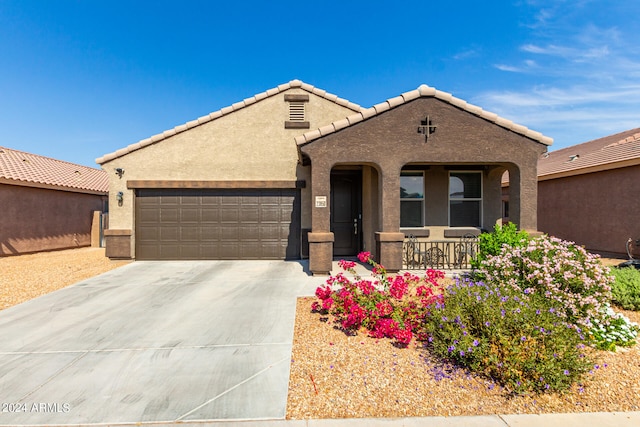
x: 519, y: 340
x: 626, y: 288
x: 490, y: 244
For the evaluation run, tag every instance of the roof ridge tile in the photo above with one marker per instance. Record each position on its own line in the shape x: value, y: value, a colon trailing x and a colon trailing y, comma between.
x: 295, y: 83
x: 427, y: 91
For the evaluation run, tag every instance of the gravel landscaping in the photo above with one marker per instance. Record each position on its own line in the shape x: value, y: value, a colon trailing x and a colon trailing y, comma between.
x: 338, y: 376
x: 24, y: 277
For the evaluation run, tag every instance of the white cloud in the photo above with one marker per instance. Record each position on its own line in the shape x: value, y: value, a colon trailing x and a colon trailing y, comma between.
x: 583, y: 73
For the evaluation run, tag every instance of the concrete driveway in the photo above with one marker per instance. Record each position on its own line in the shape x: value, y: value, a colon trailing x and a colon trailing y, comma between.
x: 154, y: 342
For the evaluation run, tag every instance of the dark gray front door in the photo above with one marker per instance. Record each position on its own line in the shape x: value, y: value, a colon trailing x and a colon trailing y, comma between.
x: 346, y: 190
x: 217, y: 224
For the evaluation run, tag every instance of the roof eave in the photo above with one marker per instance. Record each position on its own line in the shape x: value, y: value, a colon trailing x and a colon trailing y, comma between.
x: 51, y: 187
x: 293, y: 84
x: 423, y: 91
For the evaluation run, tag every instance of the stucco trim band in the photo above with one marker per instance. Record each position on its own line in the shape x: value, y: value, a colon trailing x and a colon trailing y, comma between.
x: 133, y: 184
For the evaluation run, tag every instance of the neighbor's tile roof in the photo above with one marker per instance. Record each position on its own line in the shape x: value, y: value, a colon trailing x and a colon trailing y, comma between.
x: 226, y: 110
x: 421, y: 91
x: 20, y: 168
x: 613, y: 151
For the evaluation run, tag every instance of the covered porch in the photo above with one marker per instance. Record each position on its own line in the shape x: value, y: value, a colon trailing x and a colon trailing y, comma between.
x: 377, y: 185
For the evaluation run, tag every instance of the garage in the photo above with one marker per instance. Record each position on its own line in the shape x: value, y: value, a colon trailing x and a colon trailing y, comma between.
x: 183, y: 224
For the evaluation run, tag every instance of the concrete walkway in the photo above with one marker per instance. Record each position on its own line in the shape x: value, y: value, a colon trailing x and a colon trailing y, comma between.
x: 178, y: 343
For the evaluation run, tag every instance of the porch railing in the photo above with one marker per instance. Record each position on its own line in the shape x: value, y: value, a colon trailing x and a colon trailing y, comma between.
x: 439, y: 254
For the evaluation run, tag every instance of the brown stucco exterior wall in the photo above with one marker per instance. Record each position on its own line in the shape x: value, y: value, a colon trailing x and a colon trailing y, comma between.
x: 597, y: 210
x: 37, y: 219
x: 389, y: 141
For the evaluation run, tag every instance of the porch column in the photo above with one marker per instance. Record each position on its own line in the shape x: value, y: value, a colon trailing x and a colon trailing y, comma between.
x: 320, y: 237
x: 389, y: 240
x: 529, y: 199
x: 523, y: 198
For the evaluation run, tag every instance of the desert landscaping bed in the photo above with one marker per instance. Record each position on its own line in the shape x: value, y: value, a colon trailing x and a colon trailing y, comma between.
x: 335, y: 376
x: 24, y: 277
x: 338, y: 376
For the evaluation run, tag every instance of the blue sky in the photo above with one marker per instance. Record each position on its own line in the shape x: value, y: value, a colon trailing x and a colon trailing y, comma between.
x: 79, y: 79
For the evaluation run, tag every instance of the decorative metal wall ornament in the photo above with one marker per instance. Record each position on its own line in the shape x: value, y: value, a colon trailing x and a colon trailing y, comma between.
x: 427, y: 128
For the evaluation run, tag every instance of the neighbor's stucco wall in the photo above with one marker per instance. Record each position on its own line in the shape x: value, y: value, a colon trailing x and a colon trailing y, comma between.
x: 37, y: 219
x: 597, y: 210
x: 248, y: 144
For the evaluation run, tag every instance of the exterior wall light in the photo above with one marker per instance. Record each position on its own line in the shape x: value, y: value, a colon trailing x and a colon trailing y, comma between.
x: 120, y: 197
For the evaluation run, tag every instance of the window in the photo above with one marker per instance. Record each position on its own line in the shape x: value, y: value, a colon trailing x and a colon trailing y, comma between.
x: 411, y: 199
x: 465, y: 199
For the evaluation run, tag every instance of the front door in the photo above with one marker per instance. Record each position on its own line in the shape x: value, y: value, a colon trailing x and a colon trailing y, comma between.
x: 346, y: 212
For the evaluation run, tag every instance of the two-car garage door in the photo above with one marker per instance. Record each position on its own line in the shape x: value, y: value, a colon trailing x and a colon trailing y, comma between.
x: 217, y: 224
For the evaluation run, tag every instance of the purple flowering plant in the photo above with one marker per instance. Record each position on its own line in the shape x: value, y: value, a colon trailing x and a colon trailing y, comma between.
x: 510, y: 337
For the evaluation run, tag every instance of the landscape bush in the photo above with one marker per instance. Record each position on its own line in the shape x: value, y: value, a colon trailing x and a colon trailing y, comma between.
x: 574, y: 281
x: 626, y: 288
x: 490, y: 244
x: 389, y: 307
x: 529, y: 325
x: 520, y: 340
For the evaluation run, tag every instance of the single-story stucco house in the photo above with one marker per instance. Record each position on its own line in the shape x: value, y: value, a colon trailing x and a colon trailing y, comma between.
x: 590, y: 193
x: 297, y: 172
x: 48, y: 204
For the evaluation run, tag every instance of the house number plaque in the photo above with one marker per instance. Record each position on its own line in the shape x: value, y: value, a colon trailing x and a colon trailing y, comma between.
x: 321, y: 201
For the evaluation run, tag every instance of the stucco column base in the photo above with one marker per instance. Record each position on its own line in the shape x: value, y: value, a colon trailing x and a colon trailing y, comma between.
x: 320, y: 253
x: 118, y: 244
x: 389, y: 249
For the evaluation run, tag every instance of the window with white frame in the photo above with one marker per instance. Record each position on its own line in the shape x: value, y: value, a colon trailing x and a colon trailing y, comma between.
x: 465, y: 199
x: 411, y: 199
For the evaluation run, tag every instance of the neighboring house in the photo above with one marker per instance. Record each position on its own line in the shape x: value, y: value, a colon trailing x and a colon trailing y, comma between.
x: 590, y: 193
x: 295, y: 172
x: 47, y: 204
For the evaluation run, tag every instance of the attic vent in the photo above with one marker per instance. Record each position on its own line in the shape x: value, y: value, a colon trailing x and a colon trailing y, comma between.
x: 297, y: 111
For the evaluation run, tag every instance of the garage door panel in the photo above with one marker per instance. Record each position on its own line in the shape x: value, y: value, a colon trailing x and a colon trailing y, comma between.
x: 149, y: 215
x: 169, y: 215
x: 217, y: 224
x: 189, y: 215
x: 169, y: 234
x: 232, y: 200
x: 209, y: 233
x: 189, y: 234
x: 229, y: 214
x: 169, y: 200
x: 270, y: 214
x: 229, y: 250
x: 210, y: 215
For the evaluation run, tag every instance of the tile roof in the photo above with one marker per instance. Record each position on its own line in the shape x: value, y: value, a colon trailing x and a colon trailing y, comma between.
x: 422, y: 91
x: 613, y: 151
x: 227, y: 110
x: 20, y: 168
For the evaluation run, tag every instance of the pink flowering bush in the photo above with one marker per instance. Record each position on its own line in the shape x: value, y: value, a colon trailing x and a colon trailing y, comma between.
x: 561, y: 271
x: 387, y: 307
